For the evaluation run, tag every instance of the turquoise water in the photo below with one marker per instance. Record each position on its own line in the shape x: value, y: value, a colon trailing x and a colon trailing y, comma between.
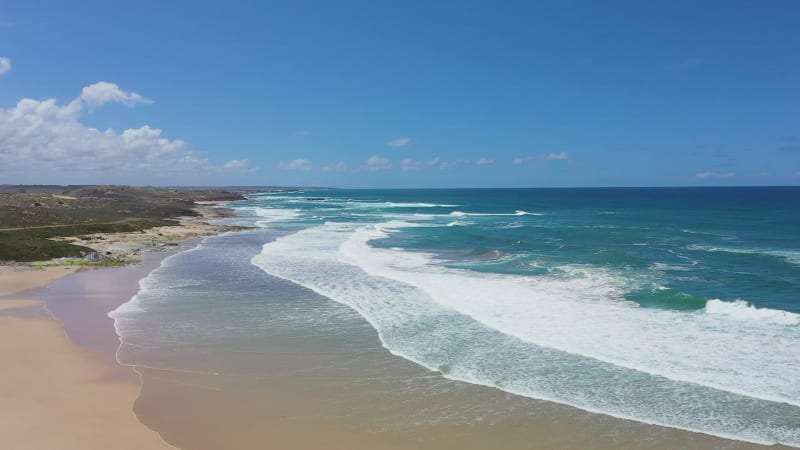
x: 676, y: 307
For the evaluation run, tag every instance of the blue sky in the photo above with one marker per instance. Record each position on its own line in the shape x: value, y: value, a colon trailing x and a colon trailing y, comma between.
x: 401, y: 94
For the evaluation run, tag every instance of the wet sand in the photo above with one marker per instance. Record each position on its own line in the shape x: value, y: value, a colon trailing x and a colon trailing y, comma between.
x: 53, y: 393
x: 19, y: 279
x: 396, y: 406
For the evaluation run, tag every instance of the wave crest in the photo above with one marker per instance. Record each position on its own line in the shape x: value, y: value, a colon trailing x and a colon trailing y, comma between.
x: 742, y: 310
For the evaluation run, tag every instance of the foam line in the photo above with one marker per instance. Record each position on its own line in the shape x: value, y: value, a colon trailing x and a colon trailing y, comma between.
x: 568, y: 337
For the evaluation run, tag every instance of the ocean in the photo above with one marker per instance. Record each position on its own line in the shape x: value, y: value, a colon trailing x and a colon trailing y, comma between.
x: 677, y: 307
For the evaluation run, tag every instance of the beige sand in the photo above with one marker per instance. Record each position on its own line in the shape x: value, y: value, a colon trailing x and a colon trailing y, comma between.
x: 53, y: 394
x: 18, y: 279
x: 18, y: 304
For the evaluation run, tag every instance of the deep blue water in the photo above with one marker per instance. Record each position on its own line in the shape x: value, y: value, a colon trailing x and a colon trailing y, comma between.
x: 678, y: 307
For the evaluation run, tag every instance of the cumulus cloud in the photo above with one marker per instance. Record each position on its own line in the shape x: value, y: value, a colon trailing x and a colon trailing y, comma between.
x: 484, y: 161
x: 433, y: 161
x: 334, y: 167
x: 559, y: 155
x: 376, y: 162
x: 296, y: 164
x: 714, y: 175
x: 99, y: 94
x: 436, y: 162
x: 237, y: 164
x: 401, y: 142
x: 546, y: 157
x: 410, y: 164
x: 39, y: 135
x: 5, y: 64
x: 453, y: 164
x: 524, y: 159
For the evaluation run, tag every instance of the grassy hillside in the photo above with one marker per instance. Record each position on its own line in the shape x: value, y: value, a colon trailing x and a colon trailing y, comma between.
x: 31, y: 215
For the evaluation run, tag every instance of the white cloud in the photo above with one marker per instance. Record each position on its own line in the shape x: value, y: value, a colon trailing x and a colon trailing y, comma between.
x: 335, y: 167
x: 547, y: 157
x: 378, y: 163
x: 301, y: 134
x: 559, y: 155
x: 237, y: 164
x: 401, y: 142
x: 296, y: 164
x: 43, y: 136
x: 99, y: 94
x: 484, y: 161
x: 5, y: 65
x: 410, y: 164
x: 524, y: 159
x: 714, y: 175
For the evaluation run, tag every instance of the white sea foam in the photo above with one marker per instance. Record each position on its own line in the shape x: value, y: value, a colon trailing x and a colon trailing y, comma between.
x: 669, y: 267
x: 127, y: 311
x: 516, y: 213
x: 576, y: 323
x: 707, y: 233
x: 270, y: 215
x: 397, y: 224
x: 744, y: 311
x: 792, y: 256
x: 547, y: 310
x: 418, y: 205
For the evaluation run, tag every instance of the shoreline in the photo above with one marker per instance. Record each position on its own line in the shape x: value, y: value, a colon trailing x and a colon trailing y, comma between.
x: 79, y: 305
x: 285, y: 385
x: 59, y: 344
x: 51, y: 383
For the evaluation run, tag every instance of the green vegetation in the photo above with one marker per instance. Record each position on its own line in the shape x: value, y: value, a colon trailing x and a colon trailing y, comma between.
x: 31, y: 206
x: 15, y: 249
x: 34, y: 244
x: 30, y: 216
x: 83, y: 262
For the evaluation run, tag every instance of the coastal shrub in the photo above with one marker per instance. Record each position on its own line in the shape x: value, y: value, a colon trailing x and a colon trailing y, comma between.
x: 34, y: 244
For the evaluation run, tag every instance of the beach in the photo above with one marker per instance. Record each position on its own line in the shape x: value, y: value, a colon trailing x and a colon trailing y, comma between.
x: 272, y: 338
x: 62, y: 386
x: 54, y: 393
x: 340, y: 392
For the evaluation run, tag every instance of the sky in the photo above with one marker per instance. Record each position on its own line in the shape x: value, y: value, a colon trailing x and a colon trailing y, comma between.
x: 387, y: 94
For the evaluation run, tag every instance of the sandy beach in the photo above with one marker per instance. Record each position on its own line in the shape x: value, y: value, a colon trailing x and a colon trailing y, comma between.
x: 49, y: 383
x: 65, y: 379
